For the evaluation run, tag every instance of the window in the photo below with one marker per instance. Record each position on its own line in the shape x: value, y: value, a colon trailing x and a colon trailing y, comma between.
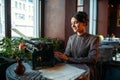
x: 2, y: 19
x: 25, y: 17
x: 92, y: 14
x: 16, y: 4
x: 93, y: 17
x: 80, y: 5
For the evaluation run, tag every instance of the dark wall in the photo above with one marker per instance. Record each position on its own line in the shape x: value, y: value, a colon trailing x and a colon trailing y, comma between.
x: 113, y: 8
x: 86, y: 9
x: 107, y: 18
x: 102, y: 22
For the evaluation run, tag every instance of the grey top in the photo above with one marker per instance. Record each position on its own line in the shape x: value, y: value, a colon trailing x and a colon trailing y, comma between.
x: 82, y: 49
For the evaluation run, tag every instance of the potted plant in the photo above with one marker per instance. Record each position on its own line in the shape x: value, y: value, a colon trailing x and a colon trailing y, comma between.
x: 10, y: 47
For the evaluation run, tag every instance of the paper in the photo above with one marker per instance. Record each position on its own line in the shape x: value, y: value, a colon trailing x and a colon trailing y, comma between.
x: 65, y: 72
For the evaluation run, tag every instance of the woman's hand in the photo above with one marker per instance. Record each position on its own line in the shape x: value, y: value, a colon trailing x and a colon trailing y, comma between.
x: 61, y: 55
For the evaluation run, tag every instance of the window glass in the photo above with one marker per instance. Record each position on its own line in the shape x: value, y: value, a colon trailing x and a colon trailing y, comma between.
x: 79, y: 5
x: 93, y: 17
x: 2, y: 19
x: 24, y: 15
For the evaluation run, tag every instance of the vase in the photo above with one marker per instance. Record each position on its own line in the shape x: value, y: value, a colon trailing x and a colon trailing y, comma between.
x: 19, y: 68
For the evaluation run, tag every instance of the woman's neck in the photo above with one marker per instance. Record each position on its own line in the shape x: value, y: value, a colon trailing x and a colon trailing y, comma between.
x: 81, y: 32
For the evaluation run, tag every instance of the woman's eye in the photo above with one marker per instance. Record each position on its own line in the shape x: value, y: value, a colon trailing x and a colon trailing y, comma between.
x: 74, y: 23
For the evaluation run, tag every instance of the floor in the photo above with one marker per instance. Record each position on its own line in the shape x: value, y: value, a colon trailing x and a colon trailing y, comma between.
x: 113, y: 73
x: 113, y: 70
x: 110, y: 70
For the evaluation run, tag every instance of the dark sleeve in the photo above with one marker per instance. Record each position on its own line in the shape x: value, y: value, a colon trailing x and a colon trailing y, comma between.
x: 67, y: 52
x: 92, y: 55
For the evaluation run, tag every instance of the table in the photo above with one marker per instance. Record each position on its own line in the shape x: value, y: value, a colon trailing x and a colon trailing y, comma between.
x: 113, y: 42
x: 60, y: 71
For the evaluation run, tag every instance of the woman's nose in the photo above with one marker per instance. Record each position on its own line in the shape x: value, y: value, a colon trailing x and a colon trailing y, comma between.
x: 73, y: 25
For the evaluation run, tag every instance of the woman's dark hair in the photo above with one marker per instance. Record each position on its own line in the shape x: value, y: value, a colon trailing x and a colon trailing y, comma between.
x: 81, y: 17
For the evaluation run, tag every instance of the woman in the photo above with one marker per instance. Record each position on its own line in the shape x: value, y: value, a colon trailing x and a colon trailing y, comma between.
x: 82, y: 47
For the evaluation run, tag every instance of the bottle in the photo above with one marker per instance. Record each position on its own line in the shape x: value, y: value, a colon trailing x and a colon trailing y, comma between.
x: 19, y: 68
x: 113, y: 35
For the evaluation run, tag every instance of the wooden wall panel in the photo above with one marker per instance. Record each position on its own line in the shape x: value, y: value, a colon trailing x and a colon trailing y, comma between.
x: 70, y: 9
x: 102, y: 17
x: 54, y: 22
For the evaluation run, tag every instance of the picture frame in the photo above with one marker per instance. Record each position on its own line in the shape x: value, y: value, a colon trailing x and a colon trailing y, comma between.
x: 118, y: 22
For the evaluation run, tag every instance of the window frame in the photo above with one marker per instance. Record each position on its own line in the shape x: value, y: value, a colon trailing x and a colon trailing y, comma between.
x: 92, y: 14
x: 40, y: 18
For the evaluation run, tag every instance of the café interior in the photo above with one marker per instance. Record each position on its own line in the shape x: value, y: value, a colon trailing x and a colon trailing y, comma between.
x: 52, y: 19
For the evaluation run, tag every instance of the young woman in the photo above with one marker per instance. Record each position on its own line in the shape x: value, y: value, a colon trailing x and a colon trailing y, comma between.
x: 82, y: 47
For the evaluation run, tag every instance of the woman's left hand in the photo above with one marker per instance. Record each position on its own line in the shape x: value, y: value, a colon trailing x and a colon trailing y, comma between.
x: 61, y: 55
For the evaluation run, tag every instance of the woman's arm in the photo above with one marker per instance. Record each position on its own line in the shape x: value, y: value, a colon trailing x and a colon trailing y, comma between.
x: 92, y: 56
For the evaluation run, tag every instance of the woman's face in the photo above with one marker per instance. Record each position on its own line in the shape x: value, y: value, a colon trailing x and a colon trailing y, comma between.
x: 76, y: 25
